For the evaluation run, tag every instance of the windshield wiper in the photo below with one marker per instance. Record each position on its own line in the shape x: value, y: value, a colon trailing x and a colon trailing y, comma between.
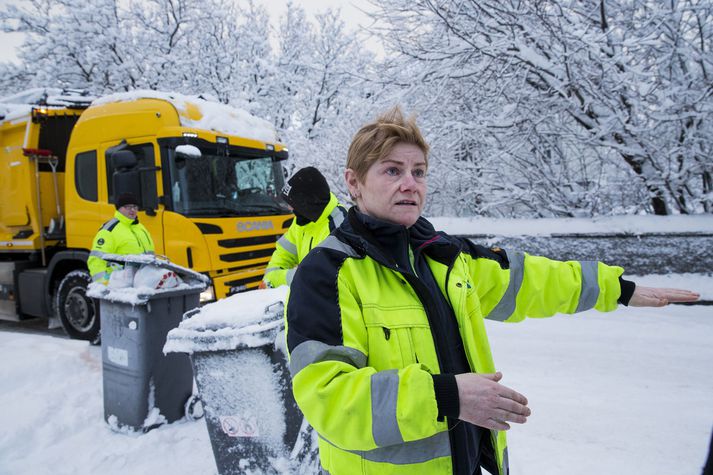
x: 265, y: 206
x: 212, y: 211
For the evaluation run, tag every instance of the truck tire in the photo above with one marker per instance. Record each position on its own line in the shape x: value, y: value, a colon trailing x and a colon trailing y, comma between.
x: 78, y: 314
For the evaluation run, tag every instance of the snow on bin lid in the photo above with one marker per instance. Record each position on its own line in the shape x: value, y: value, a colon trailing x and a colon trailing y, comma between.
x: 198, y: 113
x: 245, y: 320
x: 191, y: 280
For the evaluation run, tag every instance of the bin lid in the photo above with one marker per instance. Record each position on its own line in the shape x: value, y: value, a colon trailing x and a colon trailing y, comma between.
x: 191, y: 281
x: 246, y: 320
x: 159, y: 261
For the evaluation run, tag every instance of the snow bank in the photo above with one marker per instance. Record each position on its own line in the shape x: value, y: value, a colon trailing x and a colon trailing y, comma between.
x: 634, y: 225
x: 249, y: 319
x: 196, y: 112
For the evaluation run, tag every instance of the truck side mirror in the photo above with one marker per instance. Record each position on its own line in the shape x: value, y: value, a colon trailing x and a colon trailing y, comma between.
x: 128, y: 182
x: 124, y: 160
x: 126, y: 176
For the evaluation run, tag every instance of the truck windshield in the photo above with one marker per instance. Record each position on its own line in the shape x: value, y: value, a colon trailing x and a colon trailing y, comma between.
x: 224, y: 182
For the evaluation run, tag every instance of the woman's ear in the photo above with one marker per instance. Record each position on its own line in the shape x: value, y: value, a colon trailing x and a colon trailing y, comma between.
x: 352, y: 183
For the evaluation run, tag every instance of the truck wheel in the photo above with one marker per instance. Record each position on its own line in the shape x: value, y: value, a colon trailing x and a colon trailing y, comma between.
x: 78, y: 313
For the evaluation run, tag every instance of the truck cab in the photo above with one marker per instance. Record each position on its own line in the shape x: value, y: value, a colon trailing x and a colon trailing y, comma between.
x: 208, y: 177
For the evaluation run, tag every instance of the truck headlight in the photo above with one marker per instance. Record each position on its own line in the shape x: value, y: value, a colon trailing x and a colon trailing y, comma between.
x: 208, y: 295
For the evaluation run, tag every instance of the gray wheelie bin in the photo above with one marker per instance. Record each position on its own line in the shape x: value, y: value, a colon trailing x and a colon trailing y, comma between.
x: 239, y: 359
x: 143, y: 388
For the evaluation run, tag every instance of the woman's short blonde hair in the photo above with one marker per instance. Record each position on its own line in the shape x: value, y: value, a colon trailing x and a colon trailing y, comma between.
x: 374, y: 141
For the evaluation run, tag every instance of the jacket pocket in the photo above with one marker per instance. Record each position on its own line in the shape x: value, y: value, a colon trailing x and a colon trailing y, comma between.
x: 397, y: 336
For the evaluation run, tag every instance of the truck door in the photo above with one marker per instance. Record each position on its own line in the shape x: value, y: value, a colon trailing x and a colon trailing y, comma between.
x: 141, y: 180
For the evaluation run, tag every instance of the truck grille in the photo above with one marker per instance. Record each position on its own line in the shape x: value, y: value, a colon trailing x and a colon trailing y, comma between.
x: 247, y: 255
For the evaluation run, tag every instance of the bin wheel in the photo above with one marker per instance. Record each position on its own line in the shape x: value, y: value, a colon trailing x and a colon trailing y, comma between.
x: 194, y: 407
x: 78, y: 314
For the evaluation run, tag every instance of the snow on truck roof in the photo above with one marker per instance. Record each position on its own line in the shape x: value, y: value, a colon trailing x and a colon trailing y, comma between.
x: 199, y: 113
x: 193, y: 111
x: 20, y: 105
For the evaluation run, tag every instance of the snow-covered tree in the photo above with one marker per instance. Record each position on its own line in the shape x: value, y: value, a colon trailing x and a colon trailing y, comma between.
x: 73, y: 43
x: 622, y: 87
x: 553, y: 107
x: 321, y: 92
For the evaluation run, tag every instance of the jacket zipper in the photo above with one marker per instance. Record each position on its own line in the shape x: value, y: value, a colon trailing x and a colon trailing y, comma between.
x: 138, y: 240
x: 423, y: 296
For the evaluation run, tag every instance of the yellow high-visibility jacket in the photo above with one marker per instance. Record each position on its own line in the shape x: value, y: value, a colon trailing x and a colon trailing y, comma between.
x: 362, y: 352
x: 119, y: 235
x: 296, y: 243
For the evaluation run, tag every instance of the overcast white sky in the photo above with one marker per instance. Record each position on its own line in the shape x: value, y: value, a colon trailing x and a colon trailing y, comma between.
x: 351, y: 11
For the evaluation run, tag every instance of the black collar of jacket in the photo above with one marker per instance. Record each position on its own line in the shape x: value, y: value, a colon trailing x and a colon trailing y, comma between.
x: 380, y: 239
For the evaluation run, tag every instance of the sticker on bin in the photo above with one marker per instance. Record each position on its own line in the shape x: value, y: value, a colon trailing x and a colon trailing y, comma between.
x: 240, y: 426
x: 117, y: 356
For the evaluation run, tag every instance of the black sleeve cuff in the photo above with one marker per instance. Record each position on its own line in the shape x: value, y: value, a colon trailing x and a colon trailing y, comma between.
x: 447, y: 398
x: 627, y: 290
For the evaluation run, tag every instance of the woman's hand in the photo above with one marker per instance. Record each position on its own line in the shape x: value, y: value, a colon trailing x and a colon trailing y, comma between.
x: 487, y: 403
x: 656, y: 297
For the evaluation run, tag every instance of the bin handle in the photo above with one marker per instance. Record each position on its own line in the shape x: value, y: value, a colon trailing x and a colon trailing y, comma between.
x: 276, y: 307
x: 190, y: 313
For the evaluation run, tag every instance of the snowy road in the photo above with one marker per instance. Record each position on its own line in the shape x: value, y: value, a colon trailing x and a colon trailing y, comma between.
x: 624, y: 393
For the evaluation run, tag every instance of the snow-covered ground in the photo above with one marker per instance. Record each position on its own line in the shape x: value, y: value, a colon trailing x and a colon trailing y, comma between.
x: 629, y: 392
x: 621, y: 393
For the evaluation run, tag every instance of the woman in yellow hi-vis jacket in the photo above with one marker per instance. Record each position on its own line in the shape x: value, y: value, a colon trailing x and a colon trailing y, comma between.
x: 390, y: 361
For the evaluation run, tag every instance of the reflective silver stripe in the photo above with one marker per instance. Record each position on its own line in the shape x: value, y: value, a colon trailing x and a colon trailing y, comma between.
x: 417, y: 451
x: 590, y: 285
x: 289, y: 247
x: 312, y: 351
x: 150, y: 252
x: 337, y: 215
x: 99, y: 276
x: 333, y: 243
x: 98, y: 254
x: 270, y: 269
x: 110, y: 223
x: 290, y: 275
x: 384, y: 395
x: 506, y: 463
x: 506, y: 306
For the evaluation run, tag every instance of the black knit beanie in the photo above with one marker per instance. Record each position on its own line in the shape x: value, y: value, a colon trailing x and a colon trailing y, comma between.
x: 126, y: 199
x: 307, y: 192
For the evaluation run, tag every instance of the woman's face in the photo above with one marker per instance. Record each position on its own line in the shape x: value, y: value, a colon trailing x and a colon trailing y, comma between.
x: 394, y: 188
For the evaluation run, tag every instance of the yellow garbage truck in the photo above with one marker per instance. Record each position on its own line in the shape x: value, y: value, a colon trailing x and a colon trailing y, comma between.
x: 208, y: 177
